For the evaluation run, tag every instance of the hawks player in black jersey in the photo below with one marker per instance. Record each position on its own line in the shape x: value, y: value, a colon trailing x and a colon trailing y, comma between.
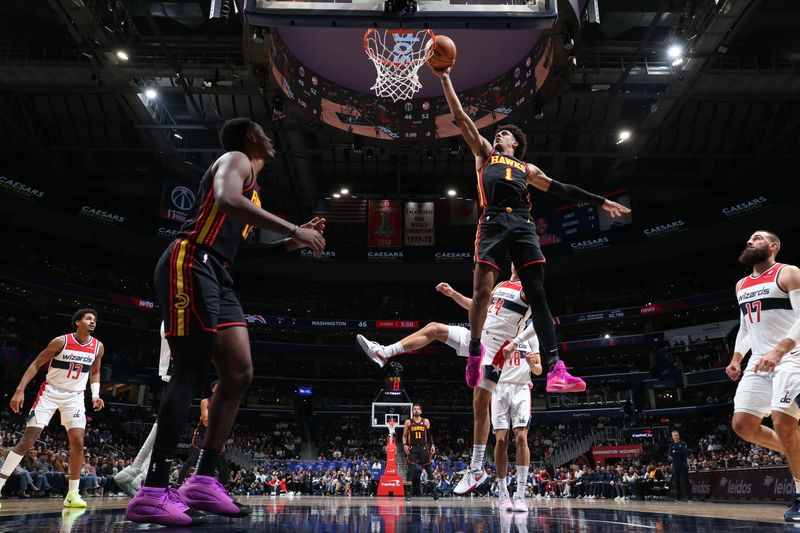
x: 418, y: 447
x: 203, y: 321
x: 506, y: 226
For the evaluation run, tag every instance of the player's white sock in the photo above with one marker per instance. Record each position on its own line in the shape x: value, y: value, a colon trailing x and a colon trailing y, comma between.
x: 74, y: 485
x: 147, y: 449
x: 478, y: 451
x: 502, y: 484
x: 12, y: 460
x: 393, y: 349
x: 522, y: 479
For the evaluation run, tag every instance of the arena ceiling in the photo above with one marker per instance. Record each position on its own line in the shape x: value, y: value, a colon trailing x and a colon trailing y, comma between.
x: 73, y: 113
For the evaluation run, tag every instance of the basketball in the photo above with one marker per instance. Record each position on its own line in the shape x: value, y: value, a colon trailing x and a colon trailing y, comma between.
x: 444, y: 53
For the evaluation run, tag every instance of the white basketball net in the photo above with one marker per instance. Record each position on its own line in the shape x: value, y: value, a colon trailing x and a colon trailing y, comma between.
x: 397, y: 56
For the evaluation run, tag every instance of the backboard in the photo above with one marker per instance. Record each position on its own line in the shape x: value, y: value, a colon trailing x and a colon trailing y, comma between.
x: 473, y: 14
x: 383, y: 411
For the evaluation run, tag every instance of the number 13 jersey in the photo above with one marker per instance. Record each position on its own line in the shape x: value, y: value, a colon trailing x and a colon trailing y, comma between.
x: 766, y: 310
x: 69, y: 369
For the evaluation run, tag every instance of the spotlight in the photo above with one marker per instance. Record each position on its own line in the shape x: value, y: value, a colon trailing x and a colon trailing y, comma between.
x: 337, y: 195
x: 623, y: 136
x: 451, y: 193
x: 151, y: 93
x: 344, y: 192
x: 674, y: 51
x: 606, y: 336
x: 121, y: 55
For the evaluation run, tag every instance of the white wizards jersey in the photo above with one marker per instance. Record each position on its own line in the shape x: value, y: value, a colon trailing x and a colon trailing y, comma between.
x: 516, y: 369
x: 767, y: 311
x: 507, y: 311
x: 69, y: 369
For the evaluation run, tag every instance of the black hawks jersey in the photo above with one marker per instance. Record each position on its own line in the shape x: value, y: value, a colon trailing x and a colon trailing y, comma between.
x: 418, y: 433
x: 214, y: 230
x: 502, y: 183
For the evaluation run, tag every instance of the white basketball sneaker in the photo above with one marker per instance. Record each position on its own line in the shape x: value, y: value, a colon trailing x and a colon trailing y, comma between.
x: 371, y: 349
x: 470, y: 481
x: 505, y: 502
x: 520, y: 505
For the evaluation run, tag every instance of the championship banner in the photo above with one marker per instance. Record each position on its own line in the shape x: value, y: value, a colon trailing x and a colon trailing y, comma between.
x: 177, y: 202
x: 601, y: 453
x: 384, y: 224
x: 419, y: 228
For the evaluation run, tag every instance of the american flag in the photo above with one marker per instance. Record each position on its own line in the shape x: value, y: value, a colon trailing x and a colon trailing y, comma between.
x: 352, y: 210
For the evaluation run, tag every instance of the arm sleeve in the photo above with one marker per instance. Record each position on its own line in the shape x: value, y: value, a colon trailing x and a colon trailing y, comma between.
x: 794, y: 331
x: 743, y: 343
x: 573, y: 193
x: 527, y: 334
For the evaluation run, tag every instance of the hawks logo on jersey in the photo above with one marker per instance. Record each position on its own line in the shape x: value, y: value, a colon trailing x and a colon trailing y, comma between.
x: 507, y: 310
x: 766, y: 308
x: 69, y: 369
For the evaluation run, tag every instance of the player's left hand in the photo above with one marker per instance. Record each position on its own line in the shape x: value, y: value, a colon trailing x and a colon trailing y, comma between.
x: 769, y: 361
x: 317, y: 224
x: 615, y: 209
x: 509, y: 350
x: 98, y: 404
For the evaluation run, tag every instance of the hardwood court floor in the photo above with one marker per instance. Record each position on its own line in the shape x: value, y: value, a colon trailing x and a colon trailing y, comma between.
x: 370, y: 515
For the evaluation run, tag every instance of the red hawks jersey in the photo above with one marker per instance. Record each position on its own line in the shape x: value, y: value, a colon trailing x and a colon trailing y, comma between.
x: 507, y: 310
x: 69, y: 369
x: 767, y: 310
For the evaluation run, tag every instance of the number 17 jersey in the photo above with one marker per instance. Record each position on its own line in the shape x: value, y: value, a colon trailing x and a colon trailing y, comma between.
x: 766, y: 309
x: 69, y: 369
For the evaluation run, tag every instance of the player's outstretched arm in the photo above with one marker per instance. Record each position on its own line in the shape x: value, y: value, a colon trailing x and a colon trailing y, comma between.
x: 789, y: 281
x: 537, y: 178
x: 479, y: 145
x: 282, y: 246
x: 233, y: 168
x: 459, y: 298
x: 52, y: 349
x: 94, y: 379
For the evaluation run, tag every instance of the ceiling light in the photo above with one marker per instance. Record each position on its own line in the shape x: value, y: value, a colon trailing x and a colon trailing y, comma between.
x: 677, y: 62
x: 150, y: 93
x: 674, y: 51
x: 337, y: 195
x: 606, y: 336
x: 624, y: 135
x: 344, y: 191
x: 451, y: 192
x: 121, y: 55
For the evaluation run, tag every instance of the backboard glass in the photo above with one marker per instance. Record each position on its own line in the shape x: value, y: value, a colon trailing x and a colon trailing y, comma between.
x: 383, y: 411
x: 474, y: 14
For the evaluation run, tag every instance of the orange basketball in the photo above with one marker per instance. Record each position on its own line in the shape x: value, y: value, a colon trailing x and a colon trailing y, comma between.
x: 444, y: 53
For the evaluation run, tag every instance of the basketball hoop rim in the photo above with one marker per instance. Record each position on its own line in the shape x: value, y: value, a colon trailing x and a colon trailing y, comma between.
x: 378, y: 59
